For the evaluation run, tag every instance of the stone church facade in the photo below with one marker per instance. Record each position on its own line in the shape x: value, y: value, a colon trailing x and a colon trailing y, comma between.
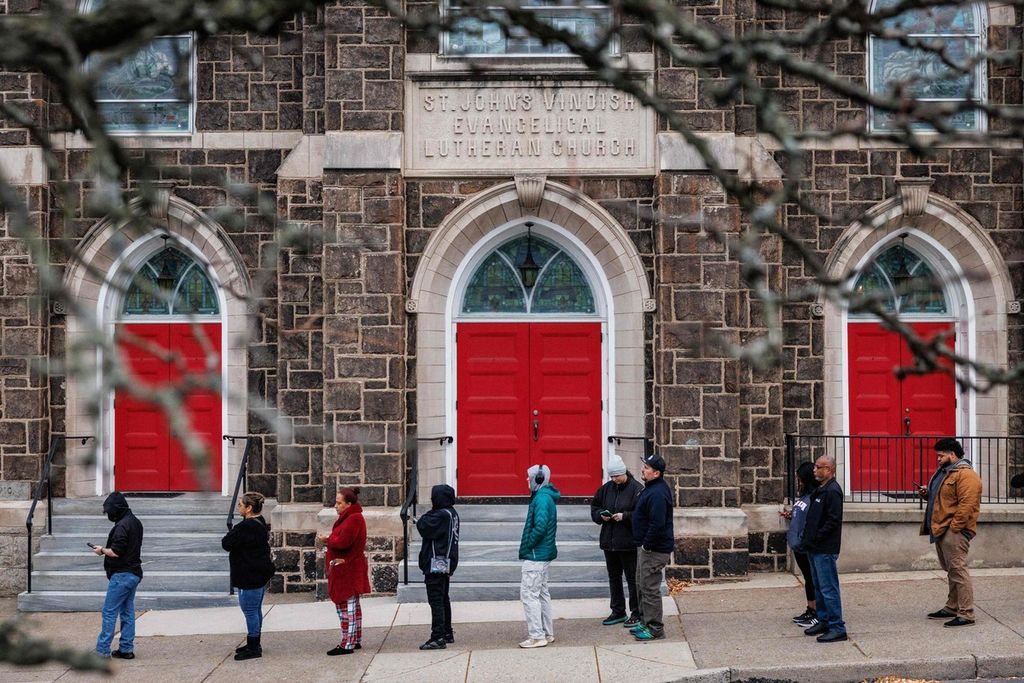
x: 406, y: 171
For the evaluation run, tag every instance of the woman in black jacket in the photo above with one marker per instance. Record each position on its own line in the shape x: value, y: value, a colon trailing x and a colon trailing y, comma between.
x: 612, y: 507
x: 440, y: 531
x: 248, y: 545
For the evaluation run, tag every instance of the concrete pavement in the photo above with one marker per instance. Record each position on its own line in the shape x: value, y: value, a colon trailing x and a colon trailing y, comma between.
x: 716, y: 633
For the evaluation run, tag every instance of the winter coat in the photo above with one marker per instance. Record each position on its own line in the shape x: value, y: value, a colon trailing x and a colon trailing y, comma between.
x: 823, y: 528
x: 437, y: 526
x: 958, y: 503
x: 248, y: 546
x: 348, y: 543
x: 125, y: 538
x: 538, y: 541
x: 652, y: 518
x: 616, y: 498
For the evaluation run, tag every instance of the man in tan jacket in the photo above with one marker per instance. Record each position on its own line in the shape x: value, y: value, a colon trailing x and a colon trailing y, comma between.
x: 951, y: 521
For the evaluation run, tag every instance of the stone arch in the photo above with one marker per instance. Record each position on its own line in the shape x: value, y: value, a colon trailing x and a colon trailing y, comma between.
x: 106, y: 256
x: 612, y: 253
x: 969, y: 254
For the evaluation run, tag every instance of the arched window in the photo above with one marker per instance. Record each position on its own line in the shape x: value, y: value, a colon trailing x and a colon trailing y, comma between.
x: 954, y: 32
x: 903, y: 282
x: 497, y: 287
x: 170, y: 283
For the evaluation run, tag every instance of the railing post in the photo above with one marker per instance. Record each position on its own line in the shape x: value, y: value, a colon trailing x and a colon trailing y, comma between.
x: 790, y: 465
x: 28, y: 556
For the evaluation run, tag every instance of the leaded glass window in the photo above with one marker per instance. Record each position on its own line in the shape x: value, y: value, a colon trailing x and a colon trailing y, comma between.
x: 148, y: 91
x: 496, y: 285
x: 471, y: 35
x: 955, y: 31
x: 190, y: 291
x: 921, y: 293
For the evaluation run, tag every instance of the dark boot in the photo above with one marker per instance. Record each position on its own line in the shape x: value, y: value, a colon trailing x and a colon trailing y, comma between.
x: 252, y: 649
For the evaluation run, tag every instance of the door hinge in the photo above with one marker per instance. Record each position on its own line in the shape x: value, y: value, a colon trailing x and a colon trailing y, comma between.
x: 456, y: 472
x: 456, y: 405
x: 602, y: 404
x: 456, y: 337
x: 602, y: 337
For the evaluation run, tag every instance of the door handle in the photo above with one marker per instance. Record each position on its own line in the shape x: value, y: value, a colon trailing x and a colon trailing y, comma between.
x: 536, y: 429
x: 906, y: 423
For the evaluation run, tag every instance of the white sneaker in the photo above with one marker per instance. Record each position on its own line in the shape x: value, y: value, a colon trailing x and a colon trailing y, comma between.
x: 531, y: 643
x: 550, y: 639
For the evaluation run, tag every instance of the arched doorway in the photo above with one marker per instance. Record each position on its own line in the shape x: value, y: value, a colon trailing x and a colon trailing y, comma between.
x: 168, y: 331
x: 530, y: 367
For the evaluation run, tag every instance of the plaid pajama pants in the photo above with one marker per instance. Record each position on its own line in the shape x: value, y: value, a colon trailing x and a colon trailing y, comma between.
x: 351, y: 616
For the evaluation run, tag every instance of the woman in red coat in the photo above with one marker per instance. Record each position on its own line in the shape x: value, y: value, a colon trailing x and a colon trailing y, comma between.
x: 347, y: 568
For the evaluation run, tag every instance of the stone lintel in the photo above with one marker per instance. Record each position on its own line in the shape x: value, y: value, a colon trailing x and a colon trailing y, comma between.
x: 23, y: 165
x: 675, y: 154
x: 715, y: 522
x: 765, y: 518
x: 306, y: 160
x: 380, y: 521
x: 368, y: 150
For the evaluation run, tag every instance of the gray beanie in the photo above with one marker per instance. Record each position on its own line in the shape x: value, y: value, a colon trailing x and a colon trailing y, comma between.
x: 616, y: 466
x: 531, y: 476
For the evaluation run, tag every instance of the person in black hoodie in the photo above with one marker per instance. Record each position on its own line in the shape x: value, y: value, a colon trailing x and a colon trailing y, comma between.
x: 122, y: 560
x: 612, y: 507
x: 823, y: 535
x: 440, y: 531
x: 248, y: 546
x: 654, y: 533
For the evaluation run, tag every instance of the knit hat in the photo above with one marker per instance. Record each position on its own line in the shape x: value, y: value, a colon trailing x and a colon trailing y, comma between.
x: 655, y: 462
x: 531, y: 476
x: 616, y: 466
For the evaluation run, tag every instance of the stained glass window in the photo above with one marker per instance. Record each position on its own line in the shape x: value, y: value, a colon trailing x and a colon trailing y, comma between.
x: 471, y: 35
x: 955, y: 32
x: 497, y: 287
x: 148, y: 91
x: 921, y: 293
x: 190, y: 291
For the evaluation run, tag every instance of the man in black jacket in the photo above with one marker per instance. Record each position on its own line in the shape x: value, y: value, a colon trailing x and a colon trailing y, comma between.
x: 653, y: 532
x: 823, y: 534
x: 440, y: 531
x: 612, y: 508
x: 122, y: 558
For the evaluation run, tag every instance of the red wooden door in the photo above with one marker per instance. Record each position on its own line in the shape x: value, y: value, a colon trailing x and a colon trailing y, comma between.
x: 883, y: 406
x: 146, y: 456
x: 506, y: 371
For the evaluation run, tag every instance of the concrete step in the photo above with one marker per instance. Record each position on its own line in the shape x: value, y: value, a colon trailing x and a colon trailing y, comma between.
x: 502, y: 572
x: 81, y: 524
x: 517, y: 513
x: 416, y: 592
x: 153, y: 580
x: 569, y: 551
x: 185, y: 504
x: 84, y: 560
x: 513, y: 531
x: 92, y: 601
x: 156, y: 542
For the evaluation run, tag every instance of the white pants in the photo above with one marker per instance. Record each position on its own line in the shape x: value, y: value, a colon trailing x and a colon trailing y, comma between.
x: 533, y: 591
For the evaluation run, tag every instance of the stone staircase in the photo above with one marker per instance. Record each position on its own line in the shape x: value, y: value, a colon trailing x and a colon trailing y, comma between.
x: 182, y: 560
x: 489, y: 565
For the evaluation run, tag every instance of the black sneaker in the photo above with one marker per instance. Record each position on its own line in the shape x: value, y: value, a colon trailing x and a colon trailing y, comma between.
x: 334, y: 652
x: 804, y: 616
x: 952, y: 623
x: 434, y: 645
x: 816, y: 630
x: 941, y: 614
x: 632, y: 622
x: 832, y: 637
x: 809, y: 622
x: 613, y: 619
x: 449, y: 638
x: 117, y: 654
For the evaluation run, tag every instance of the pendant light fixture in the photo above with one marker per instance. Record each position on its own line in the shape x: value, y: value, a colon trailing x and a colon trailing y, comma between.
x: 528, y: 268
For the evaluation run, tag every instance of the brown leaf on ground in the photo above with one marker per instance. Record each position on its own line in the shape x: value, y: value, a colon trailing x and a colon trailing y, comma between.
x: 677, y: 586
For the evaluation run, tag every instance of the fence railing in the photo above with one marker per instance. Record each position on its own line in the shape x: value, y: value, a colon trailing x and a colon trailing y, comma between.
x: 888, y: 469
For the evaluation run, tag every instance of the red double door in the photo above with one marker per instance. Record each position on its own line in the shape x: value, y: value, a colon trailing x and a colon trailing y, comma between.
x: 883, y: 405
x: 146, y: 456
x: 528, y: 393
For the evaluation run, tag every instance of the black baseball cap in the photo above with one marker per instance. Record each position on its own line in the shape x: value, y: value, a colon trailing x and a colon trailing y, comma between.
x: 655, y: 462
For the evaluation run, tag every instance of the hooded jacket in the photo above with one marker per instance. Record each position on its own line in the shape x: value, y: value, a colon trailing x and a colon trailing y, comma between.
x: 823, y: 529
x: 437, y: 526
x: 347, y: 544
x: 248, y: 546
x: 538, y: 541
x: 616, y: 498
x: 652, y: 518
x: 957, y: 503
x: 125, y: 538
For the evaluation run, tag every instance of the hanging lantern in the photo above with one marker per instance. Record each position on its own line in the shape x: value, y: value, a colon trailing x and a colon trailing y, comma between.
x: 528, y: 268
x: 902, y: 276
x: 168, y: 274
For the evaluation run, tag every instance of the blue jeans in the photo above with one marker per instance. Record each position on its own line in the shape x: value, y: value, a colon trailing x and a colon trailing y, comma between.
x: 251, y: 602
x: 120, y: 601
x: 826, y: 591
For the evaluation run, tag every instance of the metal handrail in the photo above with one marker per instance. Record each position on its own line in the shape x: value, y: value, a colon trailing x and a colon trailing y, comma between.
x: 238, y: 485
x: 44, y: 478
x: 410, y: 501
x: 648, y: 442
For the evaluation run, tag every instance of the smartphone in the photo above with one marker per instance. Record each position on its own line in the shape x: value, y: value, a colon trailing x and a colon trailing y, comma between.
x: 91, y: 545
x: 605, y: 513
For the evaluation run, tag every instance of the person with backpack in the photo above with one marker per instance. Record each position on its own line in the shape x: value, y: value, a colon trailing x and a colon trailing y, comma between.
x: 248, y: 546
x: 439, y: 557
x: 794, y: 537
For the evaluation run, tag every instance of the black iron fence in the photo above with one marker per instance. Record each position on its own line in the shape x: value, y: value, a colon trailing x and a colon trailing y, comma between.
x: 889, y: 469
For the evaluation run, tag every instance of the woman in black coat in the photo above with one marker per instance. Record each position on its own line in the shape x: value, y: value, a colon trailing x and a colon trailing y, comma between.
x: 440, y: 531
x: 248, y: 545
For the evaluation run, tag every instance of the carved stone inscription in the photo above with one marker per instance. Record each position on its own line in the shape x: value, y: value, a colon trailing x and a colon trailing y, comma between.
x: 458, y: 128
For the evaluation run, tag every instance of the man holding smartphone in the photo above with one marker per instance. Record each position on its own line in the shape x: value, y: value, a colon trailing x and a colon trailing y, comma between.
x: 612, y: 507
x: 122, y: 559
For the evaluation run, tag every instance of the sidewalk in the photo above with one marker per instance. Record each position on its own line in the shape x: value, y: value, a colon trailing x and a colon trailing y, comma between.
x: 719, y: 633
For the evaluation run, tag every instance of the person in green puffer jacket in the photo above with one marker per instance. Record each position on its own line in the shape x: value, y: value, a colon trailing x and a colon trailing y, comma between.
x: 537, y: 549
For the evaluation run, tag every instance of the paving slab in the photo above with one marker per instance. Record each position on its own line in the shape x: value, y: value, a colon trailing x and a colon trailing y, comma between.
x: 659, y: 661
x: 437, y: 665
x: 301, y: 656
x: 545, y: 665
x: 317, y: 616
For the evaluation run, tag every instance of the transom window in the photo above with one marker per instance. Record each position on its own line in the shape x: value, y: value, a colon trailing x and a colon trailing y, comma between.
x: 171, y: 283
x: 497, y: 287
x: 149, y: 91
x: 903, y: 282
x: 955, y: 32
x: 471, y: 36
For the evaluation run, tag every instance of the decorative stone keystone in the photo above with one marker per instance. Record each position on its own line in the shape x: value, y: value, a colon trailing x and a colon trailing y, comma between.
x: 914, y: 194
x: 650, y: 305
x: 411, y: 305
x: 1013, y: 308
x: 162, y: 191
x: 817, y: 309
x: 531, y: 190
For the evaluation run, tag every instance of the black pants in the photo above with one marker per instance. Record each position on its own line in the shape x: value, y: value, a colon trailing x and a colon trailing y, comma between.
x: 805, y: 569
x: 621, y: 562
x: 438, y: 586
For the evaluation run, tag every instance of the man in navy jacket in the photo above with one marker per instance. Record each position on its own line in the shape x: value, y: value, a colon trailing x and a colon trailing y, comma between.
x: 653, y: 533
x: 823, y: 535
